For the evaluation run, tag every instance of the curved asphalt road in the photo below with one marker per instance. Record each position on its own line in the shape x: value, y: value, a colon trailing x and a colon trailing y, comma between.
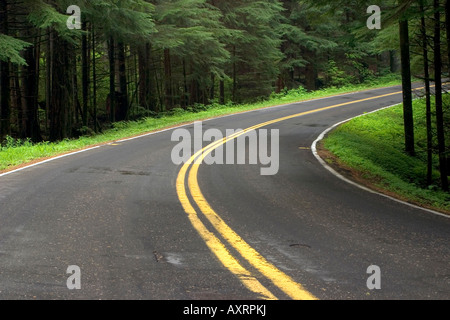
x: 114, y: 212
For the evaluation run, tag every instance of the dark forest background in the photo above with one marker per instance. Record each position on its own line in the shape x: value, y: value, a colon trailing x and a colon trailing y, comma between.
x: 134, y: 58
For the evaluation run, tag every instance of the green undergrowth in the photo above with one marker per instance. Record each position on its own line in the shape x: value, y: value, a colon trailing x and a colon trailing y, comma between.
x: 17, y: 152
x: 373, y: 146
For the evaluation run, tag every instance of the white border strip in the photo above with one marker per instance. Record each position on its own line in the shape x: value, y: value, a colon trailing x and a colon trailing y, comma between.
x: 48, y: 160
x: 181, y: 126
x: 250, y: 111
x: 338, y: 175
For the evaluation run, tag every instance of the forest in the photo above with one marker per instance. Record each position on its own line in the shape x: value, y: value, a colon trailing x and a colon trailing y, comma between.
x: 122, y: 60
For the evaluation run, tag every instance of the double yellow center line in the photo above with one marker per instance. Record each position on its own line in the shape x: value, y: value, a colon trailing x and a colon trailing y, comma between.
x: 278, y: 278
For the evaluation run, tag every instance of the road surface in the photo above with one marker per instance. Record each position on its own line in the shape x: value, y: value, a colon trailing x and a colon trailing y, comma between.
x: 139, y: 226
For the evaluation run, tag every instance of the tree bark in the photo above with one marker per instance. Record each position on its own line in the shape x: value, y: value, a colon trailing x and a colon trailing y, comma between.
x: 123, y: 85
x: 17, y: 99
x: 168, y: 79
x: 406, y: 83
x: 111, y: 103
x: 427, y: 96
x: 310, y: 72
x: 85, y: 75
x: 222, y: 92
x: 234, y: 90
x: 147, y: 86
x: 30, y: 89
x: 185, y: 99
x: 59, y: 90
x: 392, y: 62
x: 5, y: 110
x: 48, y: 77
x: 212, y: 92
x: 447, y: 27
x: 144, y: 74
x: 94, y: 82
x: 438, y: 96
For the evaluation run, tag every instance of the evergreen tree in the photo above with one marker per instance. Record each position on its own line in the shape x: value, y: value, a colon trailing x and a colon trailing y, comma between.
x: 254, y: 45
x: 438, y: 95
x: 189, y: 34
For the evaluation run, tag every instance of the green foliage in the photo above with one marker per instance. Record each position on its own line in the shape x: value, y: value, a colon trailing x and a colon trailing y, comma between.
x: 373, y: 145
x: 183, y: 54
x: 254, y: 45
x: 125, y: 20
x: 289, y: 94
x: 11, y: 142
x: 10, y: 49
x: 192, y: 28
x: 336, y: 76
x: 43, y: 16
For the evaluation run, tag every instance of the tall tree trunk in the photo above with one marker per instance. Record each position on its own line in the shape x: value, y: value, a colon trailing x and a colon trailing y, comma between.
x: 193, y: 96
x: 212, y: 91
x: 111, y: 104
x: 439, y: 111
x: 152, y: 91
x: 185, y: 99
x: 310, y: 82
x: 168, y: 79
x: 144, y: 74
x: 159, y: 90
x: 72, y: 111
x: 85, y: 75
x: 30, y: 89
x: 222, y: 92
x: 59, y: 89
x: 310, y: 73
x: 5, y: 111
x: 280, y: 83
x: 447, y: 29
x: 407, y: 92
x: 48, y: 77
x: 17, y: 99
x: 147, y: 86
x: 234, y: 90
x: 392, y: 62
x: 427, y: 96
x: 123, y: 85
x: 94, y: 82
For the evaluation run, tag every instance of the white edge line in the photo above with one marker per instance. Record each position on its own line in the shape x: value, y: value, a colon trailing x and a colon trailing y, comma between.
x: 248, y: 111
x: 313, y: 147
x: 338, y: 175
x: 181, y: 126
x: 48, y: 160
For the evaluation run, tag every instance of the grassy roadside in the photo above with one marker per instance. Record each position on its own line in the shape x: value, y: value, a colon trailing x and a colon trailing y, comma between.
x: 17, y: 153
x: 369, y: 149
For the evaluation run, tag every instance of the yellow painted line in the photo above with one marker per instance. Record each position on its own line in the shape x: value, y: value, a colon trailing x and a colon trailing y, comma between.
x: 216, y: 246
x: 277, y: 277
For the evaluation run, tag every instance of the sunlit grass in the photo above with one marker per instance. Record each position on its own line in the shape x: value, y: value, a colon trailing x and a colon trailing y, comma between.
x: 373, y: 145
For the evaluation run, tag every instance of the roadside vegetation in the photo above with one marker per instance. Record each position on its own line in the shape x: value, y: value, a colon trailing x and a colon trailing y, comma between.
x: 370, y: 149
x: 116, y: 69
x: 16, y: 152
